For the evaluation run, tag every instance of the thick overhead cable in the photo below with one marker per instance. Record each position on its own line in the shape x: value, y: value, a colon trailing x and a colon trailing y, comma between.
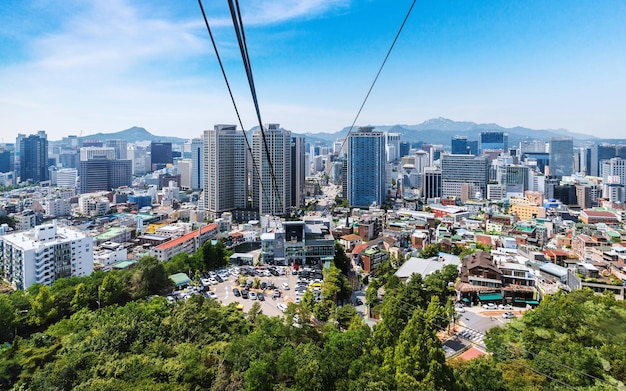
x: 232, y: 98
x: 241, y: 39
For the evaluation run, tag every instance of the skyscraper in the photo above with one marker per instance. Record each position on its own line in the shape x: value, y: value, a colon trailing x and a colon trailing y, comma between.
x: 561, y: 156
x: 272, y: 194
x: 197, y: 164
x: 225, y: 176
x: 493, y: 141
x: 160, y: 155
x: 34, y: 157
x: 120, y: 147
x: 104, y: 174
x: 459, y: 169
x: 366, y: 167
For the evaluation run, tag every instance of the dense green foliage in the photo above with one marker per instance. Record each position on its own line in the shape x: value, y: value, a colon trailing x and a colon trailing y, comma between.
x: 100, y: 333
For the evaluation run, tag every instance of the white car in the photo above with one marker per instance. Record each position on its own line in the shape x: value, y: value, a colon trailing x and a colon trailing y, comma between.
x: 460, y: 309
x: 508, y: 315
x: 490, y: 306
x: 285, y: 286
x: 281, y: 307
x: 505, y: 307
x: 252, y: 296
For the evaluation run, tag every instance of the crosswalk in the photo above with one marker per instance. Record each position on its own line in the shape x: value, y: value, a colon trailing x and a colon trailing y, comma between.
x: 471, y: 335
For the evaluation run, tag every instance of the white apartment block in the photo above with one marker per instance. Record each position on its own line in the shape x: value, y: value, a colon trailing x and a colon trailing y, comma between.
x: 44, y: 254
x: 93, y: 204
x: 58, y: 207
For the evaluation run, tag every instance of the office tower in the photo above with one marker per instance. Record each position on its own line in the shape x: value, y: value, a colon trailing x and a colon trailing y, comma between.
x: 298, y: 172
x: 197, y: 165
x: 184, y: 167
x: 6, y: 160
x: 160, y: 155
x: 34, y: 157
x: 392, y: 146
x: 613, y: 190
x: 44, y: 254
x: 66, y: 177
x: 69, y: 159
x: 69, y: 142
x: 366, y: 168
x: 459, y: 145
x: 600, y: 153
x: 87, y: 153
x: 561, y: 156
x: 459, y: 169
x: 272, y: 195
x: 532, y: 146
x: 431, y: 183
x: 120, y: 147
x: 614, y: 167
x: 493, y: 141
x: 225, y: 175
x: 405, y: 148
x: 139, y: 157
x: 100, y: 173
x: 513, y: 176
x: 91, y: 143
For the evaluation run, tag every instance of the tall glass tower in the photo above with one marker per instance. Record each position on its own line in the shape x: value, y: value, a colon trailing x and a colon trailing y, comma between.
x: 561, y: 156
x: 366, y: 168
x: 34, y: 157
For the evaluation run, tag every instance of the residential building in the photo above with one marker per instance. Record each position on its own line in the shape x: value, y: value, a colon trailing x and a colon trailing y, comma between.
x: 224, y: 176
x: 366, y: 168
x: 45, y: 254
x: 271, y: 151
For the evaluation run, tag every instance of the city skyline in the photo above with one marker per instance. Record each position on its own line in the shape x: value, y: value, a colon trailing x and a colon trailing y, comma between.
x: 72, y: 67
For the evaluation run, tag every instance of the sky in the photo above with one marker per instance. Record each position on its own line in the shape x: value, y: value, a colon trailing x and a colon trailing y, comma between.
x: 86, y: 66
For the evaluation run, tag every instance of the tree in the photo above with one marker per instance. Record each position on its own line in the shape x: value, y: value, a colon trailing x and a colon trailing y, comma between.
x: 81, y: 297
x: 8, y: 317
x: 341, y: 260
x: 42, y: 307
x: 112, y: 290
x: 150, y: 278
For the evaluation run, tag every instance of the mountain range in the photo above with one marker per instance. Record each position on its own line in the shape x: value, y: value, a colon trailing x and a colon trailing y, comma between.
x: 434, y: 131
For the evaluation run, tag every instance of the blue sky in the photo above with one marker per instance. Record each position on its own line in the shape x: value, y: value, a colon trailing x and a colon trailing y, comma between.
x: 104, y: 66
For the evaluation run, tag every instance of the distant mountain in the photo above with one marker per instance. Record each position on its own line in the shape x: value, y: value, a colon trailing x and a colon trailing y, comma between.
x: 133, y: 135
x: 442, y: 130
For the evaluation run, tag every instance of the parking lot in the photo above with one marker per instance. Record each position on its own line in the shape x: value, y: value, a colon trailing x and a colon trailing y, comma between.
x: 285, y: 283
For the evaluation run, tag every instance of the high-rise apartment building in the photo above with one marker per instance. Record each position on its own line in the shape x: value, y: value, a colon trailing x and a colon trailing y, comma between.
x: 271, y: 194
x: 392, y: 146
x: 459, y: 169
x: 104, y: 174
x: 45, y: 254
x: 614, y: 167
x: 160, y: 155
x: 561, y: 156
x: 366, y: 167
x: 33, y: 157
x: 225, y: 175
x: 298, y: 171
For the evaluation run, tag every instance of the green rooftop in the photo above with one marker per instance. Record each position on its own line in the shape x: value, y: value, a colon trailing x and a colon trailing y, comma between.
x: 180, y: 279
x: 111, y: 233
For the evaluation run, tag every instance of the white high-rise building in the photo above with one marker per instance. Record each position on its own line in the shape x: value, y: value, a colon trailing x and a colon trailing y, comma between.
x: 44, y: 254
x: 184, y: 169
x: 272, y: 194
x: 225, y: 176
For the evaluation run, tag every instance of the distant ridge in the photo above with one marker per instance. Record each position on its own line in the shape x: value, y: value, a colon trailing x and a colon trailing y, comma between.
x: 133, y: 135
x: 442, y: 130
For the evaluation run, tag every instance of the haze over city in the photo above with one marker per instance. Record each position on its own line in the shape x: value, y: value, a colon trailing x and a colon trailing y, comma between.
x: 68, y: 67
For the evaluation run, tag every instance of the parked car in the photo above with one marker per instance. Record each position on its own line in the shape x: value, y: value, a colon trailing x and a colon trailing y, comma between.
x: 505, y: 307
x: 298, y: 299
x: 244, y: 294
x: 211, y: 295
x: 260, y: 296
x: 276, y: 294
x: 285, y: 286
x: 236, y: 292
x: 282, y: 307
x: 252, y: 295
x: 490, y: 306
x: 508, y: 315
x: 263, y: 285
